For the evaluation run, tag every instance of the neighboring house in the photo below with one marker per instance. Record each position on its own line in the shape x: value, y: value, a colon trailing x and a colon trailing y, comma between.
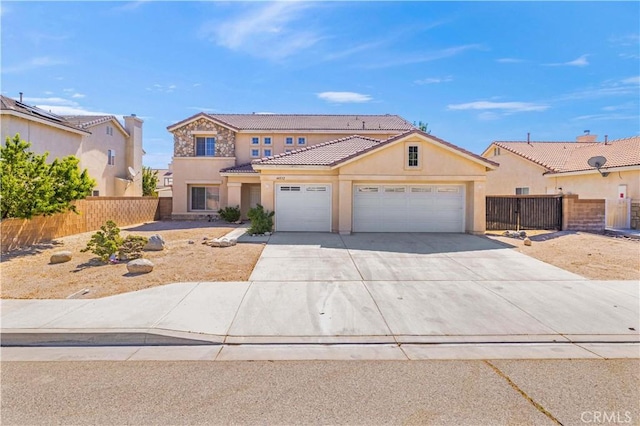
x: 105, y: 147
x: 165, y: 182
x: 330, y: 173
x: 562, y: 168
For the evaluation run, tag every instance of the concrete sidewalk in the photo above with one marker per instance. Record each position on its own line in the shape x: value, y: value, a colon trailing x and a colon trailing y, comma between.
x: 595, y: 316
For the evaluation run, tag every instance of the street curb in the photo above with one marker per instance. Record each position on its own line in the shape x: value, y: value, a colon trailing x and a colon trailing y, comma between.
x: 112, y: 337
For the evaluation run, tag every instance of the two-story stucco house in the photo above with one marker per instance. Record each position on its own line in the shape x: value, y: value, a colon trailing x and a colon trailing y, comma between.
x: 528, y: 167
x: 105, y: 147
x: 330, y: 173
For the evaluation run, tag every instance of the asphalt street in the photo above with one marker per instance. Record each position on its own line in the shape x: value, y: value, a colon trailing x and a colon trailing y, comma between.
x: 535, y: 392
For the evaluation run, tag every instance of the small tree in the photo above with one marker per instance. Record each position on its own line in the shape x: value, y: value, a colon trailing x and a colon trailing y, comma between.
x: 149, y: 182
x: 31, y: 187
x: 261, y: 220
x: 422, y: 126
x: 106, y: 242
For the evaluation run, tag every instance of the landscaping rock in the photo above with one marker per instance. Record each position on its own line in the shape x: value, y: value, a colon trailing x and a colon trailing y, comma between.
x: 527, y: 241
x: 222, y: 242
x: 140, y: 266
x: 60, y: 257
x: 155, y: 243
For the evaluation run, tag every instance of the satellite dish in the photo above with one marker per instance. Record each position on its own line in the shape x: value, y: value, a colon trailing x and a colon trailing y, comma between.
x: 132, y: 172
x: 598, y: 162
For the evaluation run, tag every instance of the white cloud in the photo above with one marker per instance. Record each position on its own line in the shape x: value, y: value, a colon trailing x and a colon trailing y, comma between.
x: 578, y: 62
x: 62, y: 106
x: 434, y: 80
x: 500, y: 106
x: 424, y: 57
x: 267, y: 30
x: 78, y: 95
x: 510, y: 60
x: 631, y: 80
x: 32, y: 64
x: 344, y: 97
x: 601, y: 117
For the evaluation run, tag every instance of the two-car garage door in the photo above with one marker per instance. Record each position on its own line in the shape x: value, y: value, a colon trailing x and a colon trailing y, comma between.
x: 376, y: 208
x: 408, y: 208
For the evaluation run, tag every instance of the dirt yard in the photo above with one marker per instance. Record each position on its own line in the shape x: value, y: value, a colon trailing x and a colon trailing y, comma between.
x: 593, y: 256
x: 27, y: 274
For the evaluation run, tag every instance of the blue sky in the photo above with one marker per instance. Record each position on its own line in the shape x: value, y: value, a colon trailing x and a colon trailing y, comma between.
x: 475, y: 71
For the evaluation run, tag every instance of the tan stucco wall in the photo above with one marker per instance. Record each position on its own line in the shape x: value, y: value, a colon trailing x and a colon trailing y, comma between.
x: 197, y: 170
x: 514, y: 172
x: 594, y: 186
x: 91, y: 149
x: 59, y: 143
x: 244, y: 146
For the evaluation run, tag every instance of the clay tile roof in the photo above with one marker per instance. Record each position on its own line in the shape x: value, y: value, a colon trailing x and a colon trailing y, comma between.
x: 323, y: 154
x: 559, y: 157
x: 242, y: 168
x: 85, y: 121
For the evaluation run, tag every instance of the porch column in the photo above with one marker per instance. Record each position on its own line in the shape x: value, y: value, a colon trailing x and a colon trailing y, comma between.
x: 476, y: 208
x: 234, y: 194
x: 345, y: 206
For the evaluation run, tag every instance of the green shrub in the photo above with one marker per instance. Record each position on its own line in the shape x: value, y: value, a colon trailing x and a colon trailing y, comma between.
x: 261, y: 220
x: 132, y: 247
x: 230, y: 214
x: 105, y: 242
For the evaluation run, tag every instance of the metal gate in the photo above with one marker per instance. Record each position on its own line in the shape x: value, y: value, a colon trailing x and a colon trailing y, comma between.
x: 516, y: 212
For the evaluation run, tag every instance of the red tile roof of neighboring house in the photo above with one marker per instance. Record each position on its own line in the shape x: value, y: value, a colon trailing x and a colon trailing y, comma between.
x: 562, y: 157
x: 84, y: 121
x: 340, y: 150
x: 306, y: 122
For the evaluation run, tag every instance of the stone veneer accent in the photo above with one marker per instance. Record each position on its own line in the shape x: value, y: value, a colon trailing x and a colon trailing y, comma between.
x: 184, y: 139
x: 583, y: 215
x: 635, y: 214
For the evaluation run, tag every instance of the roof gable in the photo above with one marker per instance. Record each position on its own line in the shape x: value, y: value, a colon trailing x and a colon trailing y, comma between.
x: 341, y: 151
x: 87, y: 121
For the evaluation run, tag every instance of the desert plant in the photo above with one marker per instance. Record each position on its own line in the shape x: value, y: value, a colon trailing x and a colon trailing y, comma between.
x: 149, y: 182
x: 261, y: 220
x: 132, y: 247
x: 105, y: 242
x: 230, y: 214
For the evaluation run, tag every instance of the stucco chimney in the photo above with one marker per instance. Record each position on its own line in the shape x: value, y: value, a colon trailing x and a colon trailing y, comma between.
x: 133, y: 154
x: 587, y: 137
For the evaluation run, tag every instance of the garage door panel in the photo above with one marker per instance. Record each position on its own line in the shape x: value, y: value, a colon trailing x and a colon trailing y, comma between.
x: 303, y: 208
x: 415, y: 208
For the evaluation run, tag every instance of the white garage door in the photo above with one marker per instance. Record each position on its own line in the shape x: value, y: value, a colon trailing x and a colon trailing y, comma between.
x: 408, y: 208
x: 303, y: 208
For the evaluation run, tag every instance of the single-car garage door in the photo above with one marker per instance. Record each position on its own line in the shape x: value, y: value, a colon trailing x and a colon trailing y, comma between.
x: 408, y: 208
x: 303, y: 208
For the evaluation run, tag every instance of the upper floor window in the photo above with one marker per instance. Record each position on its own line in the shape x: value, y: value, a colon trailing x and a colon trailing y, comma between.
x: 255, y: 141
x: 255, y: 153
x: 496, y: 152
x: 205, y: 147
x: 267, y: 140
x: 111, y: 157
x: 110, y: 130
x: 302, y: 141
x: 522, y: 191
x: 267, y: 152
x: 168, y: 181
x: 412, y: 156
x: 288, y: 141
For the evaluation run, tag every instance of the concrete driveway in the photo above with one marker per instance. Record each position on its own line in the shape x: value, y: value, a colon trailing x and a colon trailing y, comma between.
x: 404, y: 257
